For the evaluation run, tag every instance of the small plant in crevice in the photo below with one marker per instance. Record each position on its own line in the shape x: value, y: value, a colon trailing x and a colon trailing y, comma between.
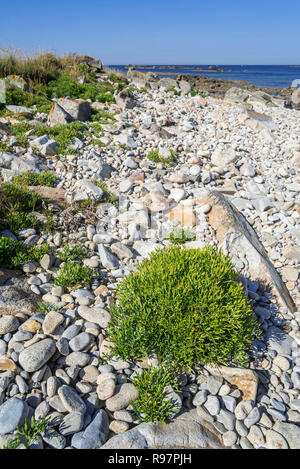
x: 72, y: 252
x: 156, y: 157
x: 29, y: 433
x: 107, y: 195
x: 180, y: 235
x: 151, y: 404
x: 45, y: 308
x: 71, y: 274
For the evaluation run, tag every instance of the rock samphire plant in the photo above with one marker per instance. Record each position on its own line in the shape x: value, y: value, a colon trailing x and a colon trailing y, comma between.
x: 186, y: 306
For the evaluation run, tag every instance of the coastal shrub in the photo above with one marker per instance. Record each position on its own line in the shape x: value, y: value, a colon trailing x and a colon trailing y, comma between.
x: 30, y: 178
x: 180, y: 235
x: 193, y: 93
x: 73, y: 275
x: 71, y: 252
x: 14, y: 253
x: 15, y: 203
x: 21, y: 220
x: 18, y: 97
x: 151, y: 404
x: 186, y: 306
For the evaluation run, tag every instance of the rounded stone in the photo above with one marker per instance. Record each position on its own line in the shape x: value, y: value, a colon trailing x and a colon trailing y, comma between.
x: 229, y: 438
x: 118, y: 426
x: 126, y: 393
x: 80, y: 342
x: 71, y: 400
x: 52, y: 320
x: 8, y: 324
x: 71, y: 423
x: 34, y: 357
x: 212, y: 404
x: 77, y: 358
x: 242, y: 409
x: 13, y: 413
x: 275, y: 441
x: 89, y: 374
x: 106, y: 389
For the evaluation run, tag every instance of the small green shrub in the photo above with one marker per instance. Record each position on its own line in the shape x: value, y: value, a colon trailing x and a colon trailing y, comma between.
x: 193, y: 93
x: 30, y: 178
x: 14, y: 253
x: 151, y: 405
x: 185, y: 305
x: 15, y: 203
x: 63, y: 134
x: 157, y: 158
x: 181, y: 236
x: 70, y: 253
x: 45, y: 308
x: 20, y: 220
x: 172, y: 89
x: 73, y: 275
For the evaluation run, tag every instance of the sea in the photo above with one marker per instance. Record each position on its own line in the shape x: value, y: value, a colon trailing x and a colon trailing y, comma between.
x: 264, y: 76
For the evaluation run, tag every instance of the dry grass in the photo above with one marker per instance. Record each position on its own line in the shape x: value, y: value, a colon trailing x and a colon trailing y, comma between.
x: 38, y: 67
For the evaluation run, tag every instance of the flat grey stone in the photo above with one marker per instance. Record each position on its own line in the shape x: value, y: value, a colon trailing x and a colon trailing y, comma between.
x: 54, y: 439
x: 80, y: 342
x: 108, y: 260
x: 34, y: 357
x: 95, y: 434
x: 71, y: 400
x: 71, y: 423
x: 253, y: 417
x: 187, y: 431
x: 13, y: 413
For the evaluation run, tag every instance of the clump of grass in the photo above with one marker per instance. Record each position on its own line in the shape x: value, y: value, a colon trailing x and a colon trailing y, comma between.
x: 187, y: 307
x: 28, y: 433
x: 72, y: 252
x: 73, y: 275
x: 151, y: 404
x: 181, y: 236
x: 30, y: 178
x: 193, y: 93
x: 157, y: 158
x: 45, y: 308
x: 13, y: 253
x: 172, y: 89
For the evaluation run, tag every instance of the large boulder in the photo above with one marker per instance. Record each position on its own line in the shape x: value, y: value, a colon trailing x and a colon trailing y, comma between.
x: 125, y: 100
x: 142, y: 79
x: 236, y: 236
x: 67, y: 110
x: 84, y: 190
x: 187, y: 431
x: 15, y: 295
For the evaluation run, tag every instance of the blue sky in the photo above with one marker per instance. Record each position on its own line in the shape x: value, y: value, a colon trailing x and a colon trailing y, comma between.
x: 160, y: 32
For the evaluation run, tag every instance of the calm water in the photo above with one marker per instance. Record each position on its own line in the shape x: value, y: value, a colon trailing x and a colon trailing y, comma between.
x: 268, y: 76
